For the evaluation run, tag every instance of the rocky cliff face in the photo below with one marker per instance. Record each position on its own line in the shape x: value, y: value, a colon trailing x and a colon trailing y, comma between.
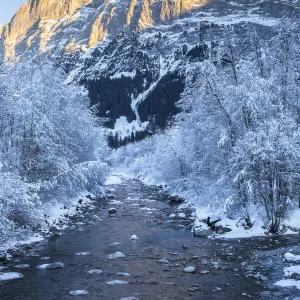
x: 132, y: 55
x: 40, y: 24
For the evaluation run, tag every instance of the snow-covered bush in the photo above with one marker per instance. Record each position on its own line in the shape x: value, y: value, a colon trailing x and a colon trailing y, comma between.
x: 51, y: 145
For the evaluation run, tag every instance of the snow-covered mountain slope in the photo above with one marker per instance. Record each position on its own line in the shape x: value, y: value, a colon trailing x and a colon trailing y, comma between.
x: 132, y: 54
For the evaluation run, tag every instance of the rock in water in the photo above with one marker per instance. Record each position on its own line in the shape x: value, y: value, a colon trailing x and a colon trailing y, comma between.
x: 95, y: 271
x: 124, y: 274
x: 24, y: 266
x: 112, y: 211
x: 134, y: 237
x: 82, y: 253
x: 292, y: 258
x: 163, y: 261
x: 10, y: 276
x: 56, y: 265
x: 78, y: 292
x: 189, y: 269
x: 116, y: 282
x: 116, y: 255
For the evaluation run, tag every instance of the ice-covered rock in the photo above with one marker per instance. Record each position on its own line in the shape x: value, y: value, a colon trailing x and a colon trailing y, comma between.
x: 116, y: 282
x: 163, y: 261
x: 134, y: 237
x: 115, y: 244
x: 56, y: 265
x: 292, y: 258
x: 112, y: 211
x: 124, y: 274
x: 172, y: 216
x: 78, y: 292
x: 95, y: 271
x: 260, y: 277
x: 116, y: 255
x: 10, y: 276
x: 82, y: 253
x: 189, y: 269
x: 181, y: 215
x: 23, y: 266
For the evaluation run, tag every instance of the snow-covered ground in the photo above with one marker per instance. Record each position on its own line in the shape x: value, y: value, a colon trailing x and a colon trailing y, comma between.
x: 123, y: 128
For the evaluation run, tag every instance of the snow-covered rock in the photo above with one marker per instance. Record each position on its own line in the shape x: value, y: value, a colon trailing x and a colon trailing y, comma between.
x: 23, y: 266
x: 189, y: 269
x: 112, y: 211
x: 56, y: 265
x: 10, y: 276
x: 163, y: 261
x: 116, y: 255
x: 78, y: 292
x: 292, y: 258
x: 116, y: 282
x: 95, y: 271
x: 201, y: 229
x: 134, y: 237
x: 82, y: 253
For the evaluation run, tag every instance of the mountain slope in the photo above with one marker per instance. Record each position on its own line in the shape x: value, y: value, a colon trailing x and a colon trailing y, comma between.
x: 132, y: 54
x: 40, y: 24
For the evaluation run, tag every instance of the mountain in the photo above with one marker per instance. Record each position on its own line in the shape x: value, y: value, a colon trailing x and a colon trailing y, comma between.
x: 132, y: 54
x: 40, y: 24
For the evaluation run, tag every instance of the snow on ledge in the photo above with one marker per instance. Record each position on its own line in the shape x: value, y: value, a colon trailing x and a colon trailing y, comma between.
x: 113, y: 179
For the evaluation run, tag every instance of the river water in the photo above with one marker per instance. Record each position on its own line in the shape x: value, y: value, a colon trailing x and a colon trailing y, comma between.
x: 218, y: 275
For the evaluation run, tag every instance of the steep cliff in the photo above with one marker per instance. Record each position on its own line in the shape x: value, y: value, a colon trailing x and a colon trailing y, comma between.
x: 40, y: 24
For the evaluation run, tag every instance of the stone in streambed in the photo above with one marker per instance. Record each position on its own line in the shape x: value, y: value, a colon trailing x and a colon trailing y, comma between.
x: 10, y: 276
x: 24, y: 266
x: 95, y: 271
x: 116, y: 282
x: 112, y: 211
x: 163, y: 261
x: 189, y: 269
x: 79, y: 292
x: 116, y: 255
x: 56, y: 265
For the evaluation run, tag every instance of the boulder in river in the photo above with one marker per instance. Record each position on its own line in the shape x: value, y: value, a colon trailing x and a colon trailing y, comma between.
x: 116, y: 255
x: 189, y: 269
x: 116, y: 282
x: 95, y: 271
x: 56, y: 265
x: 10, y: 276
x: 134, y: 237
x: 79, y: 292
x: 112, y: 211
x: 24, y: 266
x: 163, y: 261
x: 292, y: 258
x: 201, y: 229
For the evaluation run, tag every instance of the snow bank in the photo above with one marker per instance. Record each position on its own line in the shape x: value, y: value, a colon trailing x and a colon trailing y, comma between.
x: 288, y: 283
x: 124, y: 129
x: 113, y: 179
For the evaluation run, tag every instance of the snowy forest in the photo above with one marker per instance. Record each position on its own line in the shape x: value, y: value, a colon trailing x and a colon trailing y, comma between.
x: 235, y: 144
x: 52, y: 145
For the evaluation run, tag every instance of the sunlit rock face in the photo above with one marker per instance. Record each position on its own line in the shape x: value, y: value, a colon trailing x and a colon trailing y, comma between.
x: 47, y: 25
